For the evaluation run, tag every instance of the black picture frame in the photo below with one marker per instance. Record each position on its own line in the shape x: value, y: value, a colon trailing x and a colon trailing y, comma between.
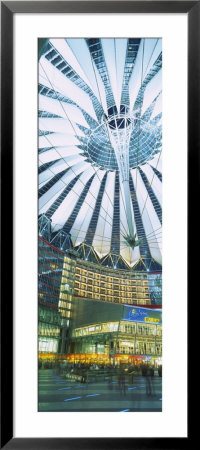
x: 8, y: 9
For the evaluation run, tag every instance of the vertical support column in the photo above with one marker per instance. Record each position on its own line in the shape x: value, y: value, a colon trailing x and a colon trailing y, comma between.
x: 126, y: 187
x: 119, y: 131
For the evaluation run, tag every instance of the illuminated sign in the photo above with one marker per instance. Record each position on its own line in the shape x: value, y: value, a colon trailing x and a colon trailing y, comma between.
x: 144, y: 315
x: 151, y: 319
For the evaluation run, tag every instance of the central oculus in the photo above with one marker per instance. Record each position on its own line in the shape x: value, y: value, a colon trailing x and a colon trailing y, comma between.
x: 131, y: 131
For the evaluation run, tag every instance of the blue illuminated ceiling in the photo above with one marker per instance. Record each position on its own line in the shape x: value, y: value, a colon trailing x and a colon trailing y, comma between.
x: 90, y: 90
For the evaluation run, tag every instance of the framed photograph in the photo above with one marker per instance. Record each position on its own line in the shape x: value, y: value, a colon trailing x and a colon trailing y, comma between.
x: 99, y: 129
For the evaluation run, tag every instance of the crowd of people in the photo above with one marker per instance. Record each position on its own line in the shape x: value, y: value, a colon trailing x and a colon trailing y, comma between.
x: 120, y: 376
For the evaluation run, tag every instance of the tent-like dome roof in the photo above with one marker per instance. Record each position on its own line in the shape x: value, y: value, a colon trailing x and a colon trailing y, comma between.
x: 100, y: 99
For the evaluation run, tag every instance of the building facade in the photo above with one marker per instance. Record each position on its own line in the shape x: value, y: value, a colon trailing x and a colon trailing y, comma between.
x: 89, y: 313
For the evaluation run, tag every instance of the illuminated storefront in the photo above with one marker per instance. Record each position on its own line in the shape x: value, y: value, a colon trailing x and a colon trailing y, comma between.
x: 134, y: 336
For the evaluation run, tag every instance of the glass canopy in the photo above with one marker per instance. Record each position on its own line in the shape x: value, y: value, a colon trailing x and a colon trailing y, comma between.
x: 100, y: 145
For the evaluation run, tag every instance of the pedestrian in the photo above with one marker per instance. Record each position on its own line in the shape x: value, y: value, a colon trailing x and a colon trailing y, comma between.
x: 122, y: 383
x: 152, y: 382
x: 148, y: 382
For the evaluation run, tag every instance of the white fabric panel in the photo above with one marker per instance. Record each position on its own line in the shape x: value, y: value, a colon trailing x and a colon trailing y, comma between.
x: 81, y: 224
x: 150, y: 46
x: 101, y: 89
x: 47, y: 174
x: 154, y: 240
x: 57, y: 140
x: 63, y: 182
x: 44, y: 177
x: 151, y: 222
x: 144, y: 62
x: 80, y: 48
x: 57, y: 153
x: 121, y: 46
x: 153, y: 88
x: 64, y: 49
x: 136, y: 76
x: 51, y: 201
x: 140, y: 189
x: 157, y: 162
x: 108, y: 46
x: 103, y: 233
x: 62, y: 109
x: 60, y: 165
x: 158, y: 107
x: 123, y: 219
x: 50, y: 105
x: 59, y: 126
x: 54, y: 79
x: 154, y: 52
x: 41, y: 184
x: 149, y: 218
x: 43, y: 74
x: 131, y: 256
x: 153, y: 181
x: 67, y: 206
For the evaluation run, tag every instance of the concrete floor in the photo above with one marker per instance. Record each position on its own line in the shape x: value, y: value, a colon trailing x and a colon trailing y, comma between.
x: 57, y: 394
